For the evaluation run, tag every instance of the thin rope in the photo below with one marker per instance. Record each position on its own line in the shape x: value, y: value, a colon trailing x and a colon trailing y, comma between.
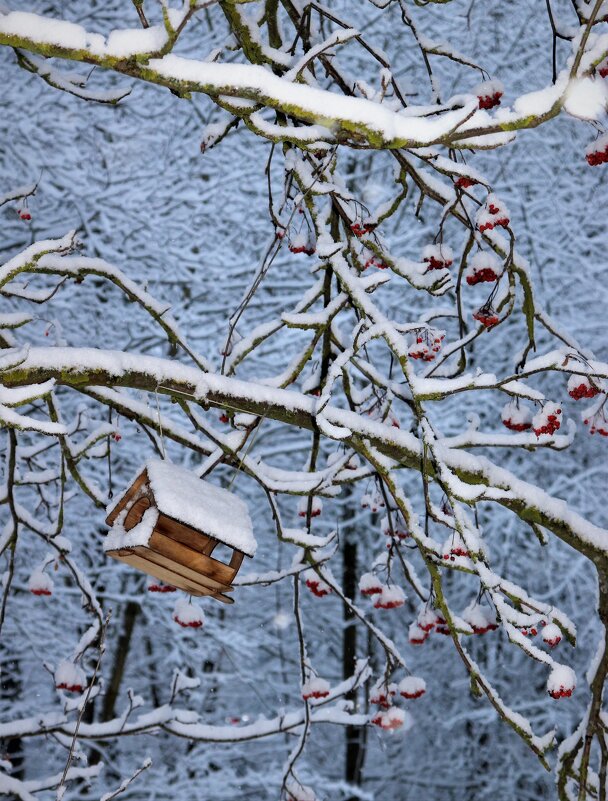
x: 225, y: 406
x: 244, y: 456
x: 219, y: 406
x: 110, y: 490
x: 160, y: 426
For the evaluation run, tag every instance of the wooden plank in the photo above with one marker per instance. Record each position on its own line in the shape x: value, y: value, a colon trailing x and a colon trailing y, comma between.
x: 133, y: 489
x: 186, y: 573
x: 178, y: 531
x: 136, y: 512
x: 192, y: 560
x: 140, y: 561
x: 193, y: 576
x: 163, y: 574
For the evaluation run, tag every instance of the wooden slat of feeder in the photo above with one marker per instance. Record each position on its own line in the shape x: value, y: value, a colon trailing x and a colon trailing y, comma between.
x: 131, y: 492
x: 181, y: 533
x: 217, y: 572
x: 163, y: 574
x: 182, y: 570
x: 136, y: 512
x: 138, y: 558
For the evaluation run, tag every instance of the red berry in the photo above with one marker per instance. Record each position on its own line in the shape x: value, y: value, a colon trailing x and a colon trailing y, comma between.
x: 464, y: 183
x: 561, y: 692
x: 489, y: 101
x: 486, y: 316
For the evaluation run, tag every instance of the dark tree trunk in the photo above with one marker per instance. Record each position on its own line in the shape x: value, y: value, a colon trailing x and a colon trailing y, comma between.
x: 118, y: 668
x: 10, y: 691
x: 355, y: 740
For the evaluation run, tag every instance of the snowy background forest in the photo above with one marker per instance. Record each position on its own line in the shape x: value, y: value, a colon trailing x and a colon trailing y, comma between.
x: 217, y: 712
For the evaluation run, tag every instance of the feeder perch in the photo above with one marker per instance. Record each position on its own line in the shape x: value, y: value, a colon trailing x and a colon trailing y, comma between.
x: 168, y: 524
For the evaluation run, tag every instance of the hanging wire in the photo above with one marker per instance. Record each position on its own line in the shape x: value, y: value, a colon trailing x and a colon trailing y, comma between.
x: 244, y: 456
x: 226, y: 406
x: 109, y: 454
x: 160, y: 426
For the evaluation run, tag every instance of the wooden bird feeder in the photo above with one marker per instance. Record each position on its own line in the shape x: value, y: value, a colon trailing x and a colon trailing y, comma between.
x: 168, y: 524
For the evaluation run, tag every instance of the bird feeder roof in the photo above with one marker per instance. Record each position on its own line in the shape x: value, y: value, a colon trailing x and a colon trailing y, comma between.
x: 181, y: 495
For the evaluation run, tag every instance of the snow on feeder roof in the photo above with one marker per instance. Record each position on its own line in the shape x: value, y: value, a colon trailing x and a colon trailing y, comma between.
x: 169, y: 521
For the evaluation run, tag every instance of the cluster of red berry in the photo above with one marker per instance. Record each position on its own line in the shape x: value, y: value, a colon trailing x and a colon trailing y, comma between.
x: 493, y: 213
x: 489, y: 94
x: 597, y: 423
x: 360, y: 228
x: 370, y: 584
x: 480, y: 618
x: 382, y: 694
x: 40, y: 583
x: 70, y: 677
x: 547, y: 420
x: 316, y: 585
x: 482, y: 268
x: 597, y: 152
x: 438, y: 257
x: 516, y: 417
x: 301, y: 244
x: 188, y: 624
x: 485, y: 629
x: 428, y: 620
x: 454, y: 552
x: 561, y: 692
x: 486, y: 274
x: 385, y: 597
x: 580, y: 387
x: 391, y: 720
x: 157, y: 586
x: 71, y: 688
x: 561, y: 682
x: 395, y: 529
x: 389, y: 598
x: 390, y: 717
x: 427, y: 345
x: 486, y: 315
x: 316, y: 507
x: 489, y: 101
x: 24, y: 213
x: 374, y: 502
x: 412, y: 687
x: 465, y: 183
x: 315, y: 688
x: 188, y: 615
x: 374, y: 261
x: 552, y: 635
x: 455, y: 546
x: 41, y: 591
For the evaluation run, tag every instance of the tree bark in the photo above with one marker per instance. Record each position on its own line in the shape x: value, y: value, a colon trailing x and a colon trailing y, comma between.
x: 354, y: 735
